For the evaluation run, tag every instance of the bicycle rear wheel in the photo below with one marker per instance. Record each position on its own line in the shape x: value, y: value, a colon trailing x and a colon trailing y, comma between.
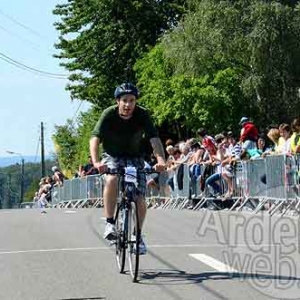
x: 121, y: 239
x: 134, y: 234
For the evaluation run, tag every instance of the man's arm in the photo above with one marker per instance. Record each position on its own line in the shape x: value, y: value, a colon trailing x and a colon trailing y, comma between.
x: 94, y: 149
x: 159, y: 153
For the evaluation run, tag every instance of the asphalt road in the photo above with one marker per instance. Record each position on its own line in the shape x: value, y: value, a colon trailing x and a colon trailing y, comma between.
x: 191, y: 255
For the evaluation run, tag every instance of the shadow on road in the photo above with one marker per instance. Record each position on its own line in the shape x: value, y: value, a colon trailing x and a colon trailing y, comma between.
x: 169, y: 277
x: 90, y: 298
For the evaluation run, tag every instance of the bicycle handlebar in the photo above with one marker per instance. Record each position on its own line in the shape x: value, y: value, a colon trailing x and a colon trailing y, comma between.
x: 121, y: 171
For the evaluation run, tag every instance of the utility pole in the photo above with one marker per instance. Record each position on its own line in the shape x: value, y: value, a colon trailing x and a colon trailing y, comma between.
x: 2, y: 191
x: 42, y: 150
x: 8, y: 203
x: 22, y: 181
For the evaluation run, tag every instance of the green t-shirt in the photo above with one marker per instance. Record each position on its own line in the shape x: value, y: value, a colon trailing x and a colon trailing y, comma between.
x: 121, y: 137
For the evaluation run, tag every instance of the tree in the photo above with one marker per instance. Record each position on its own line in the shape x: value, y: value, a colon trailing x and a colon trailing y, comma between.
x: 72, y: 141
x: 11, y: 176
x: 85, y: 124
x: 100, y: 40
x: 185, y: 100
x: 65, y: 145
x: 258, y: 39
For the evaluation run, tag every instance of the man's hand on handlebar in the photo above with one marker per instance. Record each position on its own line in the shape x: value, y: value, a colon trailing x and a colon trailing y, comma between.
x: 102, y: 168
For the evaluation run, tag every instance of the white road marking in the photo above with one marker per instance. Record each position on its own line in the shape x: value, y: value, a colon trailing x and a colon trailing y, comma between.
x: 150, y: 246
x: 53, y: 250
x: 70, y: 212
x: 214, y: 263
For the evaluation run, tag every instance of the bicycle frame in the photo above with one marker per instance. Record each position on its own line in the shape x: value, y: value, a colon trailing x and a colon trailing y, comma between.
x: 127, y: 227
x: 127, y: 221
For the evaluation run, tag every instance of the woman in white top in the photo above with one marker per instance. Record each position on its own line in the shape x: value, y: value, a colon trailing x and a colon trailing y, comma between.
x: 285, y: 137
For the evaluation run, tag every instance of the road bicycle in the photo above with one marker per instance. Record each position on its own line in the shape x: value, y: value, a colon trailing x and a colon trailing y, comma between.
x: 128, y: 231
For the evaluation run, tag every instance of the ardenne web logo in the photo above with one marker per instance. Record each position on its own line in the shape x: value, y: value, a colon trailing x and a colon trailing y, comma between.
x: 262, y: 249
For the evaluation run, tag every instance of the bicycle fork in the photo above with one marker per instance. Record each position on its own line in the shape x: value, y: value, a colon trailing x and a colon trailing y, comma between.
x: 124, y: 218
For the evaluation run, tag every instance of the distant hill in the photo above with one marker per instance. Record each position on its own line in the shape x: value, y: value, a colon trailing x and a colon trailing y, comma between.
x: 6, y: 161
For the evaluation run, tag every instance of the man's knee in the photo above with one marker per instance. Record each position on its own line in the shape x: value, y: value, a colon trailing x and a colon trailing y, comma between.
x: 111, y: 181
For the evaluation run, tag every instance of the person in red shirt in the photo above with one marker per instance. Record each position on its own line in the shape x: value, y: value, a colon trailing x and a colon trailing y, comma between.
x: 249, y: 134
x: 207, y: 141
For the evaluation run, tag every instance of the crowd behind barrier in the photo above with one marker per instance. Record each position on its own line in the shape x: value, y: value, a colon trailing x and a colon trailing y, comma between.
x: 270, y: 183
x: 217, y: 172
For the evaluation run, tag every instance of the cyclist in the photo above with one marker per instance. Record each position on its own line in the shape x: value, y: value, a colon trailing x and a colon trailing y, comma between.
x: 120, y: 130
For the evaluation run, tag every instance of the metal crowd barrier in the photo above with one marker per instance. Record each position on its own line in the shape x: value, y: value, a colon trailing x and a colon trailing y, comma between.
x: 79, y: 192
x: 269, y: 184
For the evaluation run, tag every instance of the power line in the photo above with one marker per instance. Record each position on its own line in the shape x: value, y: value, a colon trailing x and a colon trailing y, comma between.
x: 33, y: 69
x: 25, y: 69
x: 24, y: 40
x: 20, y: 24
x: 30, y: 69
x: 72, y: 121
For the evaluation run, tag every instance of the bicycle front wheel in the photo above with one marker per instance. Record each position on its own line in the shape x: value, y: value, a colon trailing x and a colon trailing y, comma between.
x: 134, y: 234
x: 121, y: 239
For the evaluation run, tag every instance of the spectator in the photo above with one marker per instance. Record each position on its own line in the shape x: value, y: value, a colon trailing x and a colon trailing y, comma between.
x: 45, y: 185
x: 252, y: 154
x: 194, y: 163
x: 207, y: 141
x: 212, y: 180
x: 170, y: 151
x: 195, y: 160
x: 89, y: 168
x: 169, y: 142
x: 158, y: 182
x: 42, y: 202
x: 249, y: 134
x: 58, y: 176
x: 295, y: 138
x: 261, y: 144
x: 49, y: 188
x: 172, y: 166
x: 80, y: 172
x: 197, y: 153
x: 285, y: 138
x: 235, y: 151
x: 274, y: 136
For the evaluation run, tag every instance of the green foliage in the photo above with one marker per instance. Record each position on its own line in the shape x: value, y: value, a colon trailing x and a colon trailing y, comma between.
x: 258, y: 39
x: 31, y: 190
x: 85, y: 126
x: 197, y: 62
x: 101, y: 40
x: 65, y: 143
x: 208, y: 100
x: 10, y: 181
x: 72, y: 141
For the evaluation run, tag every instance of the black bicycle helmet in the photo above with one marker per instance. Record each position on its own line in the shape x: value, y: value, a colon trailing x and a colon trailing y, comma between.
x: 125, y: 89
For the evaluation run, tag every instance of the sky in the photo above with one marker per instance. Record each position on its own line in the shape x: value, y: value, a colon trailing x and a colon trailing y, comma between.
x: 28, y: 36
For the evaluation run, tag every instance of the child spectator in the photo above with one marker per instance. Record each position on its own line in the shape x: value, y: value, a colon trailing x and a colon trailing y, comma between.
x: 285, y: 138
